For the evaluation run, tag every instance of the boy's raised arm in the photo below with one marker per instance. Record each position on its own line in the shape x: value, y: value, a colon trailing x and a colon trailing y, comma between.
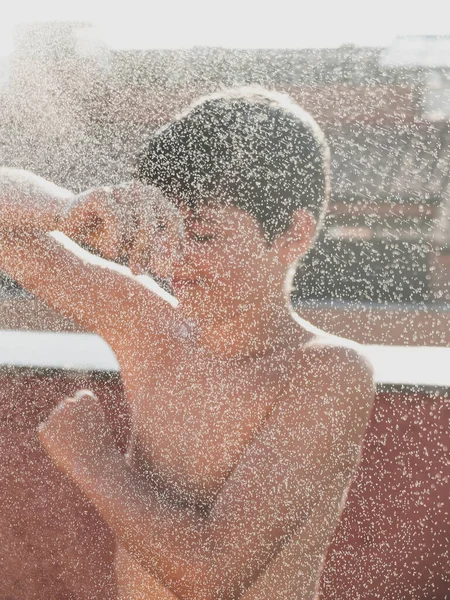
x: 89, y: 291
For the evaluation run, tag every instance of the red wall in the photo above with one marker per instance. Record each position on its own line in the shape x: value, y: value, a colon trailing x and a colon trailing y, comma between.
x: 392, y: 541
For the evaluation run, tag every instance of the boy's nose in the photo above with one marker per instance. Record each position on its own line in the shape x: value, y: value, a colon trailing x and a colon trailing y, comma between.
x: 189, y: 253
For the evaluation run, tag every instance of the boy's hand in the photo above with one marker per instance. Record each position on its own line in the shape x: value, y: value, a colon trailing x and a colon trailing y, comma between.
x: 78, y: 437
x: 29, y: 202
x: 132, y: 224
x: 159, y: 237
x: 105, y: 220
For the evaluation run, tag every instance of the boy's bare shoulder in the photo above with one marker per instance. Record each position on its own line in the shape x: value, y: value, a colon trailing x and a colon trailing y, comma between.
x: 336, y: 362
x: 329, y: 346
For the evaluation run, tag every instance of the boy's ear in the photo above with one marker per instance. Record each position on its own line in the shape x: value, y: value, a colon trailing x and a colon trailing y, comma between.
x: 297, y: 240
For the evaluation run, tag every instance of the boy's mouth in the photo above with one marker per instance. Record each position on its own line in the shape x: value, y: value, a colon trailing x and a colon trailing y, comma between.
x: 184, y: 282
x: 178, y: 282
x: 181, y: 284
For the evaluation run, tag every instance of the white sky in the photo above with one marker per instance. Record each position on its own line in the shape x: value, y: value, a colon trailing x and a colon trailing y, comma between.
x: 238, y: 23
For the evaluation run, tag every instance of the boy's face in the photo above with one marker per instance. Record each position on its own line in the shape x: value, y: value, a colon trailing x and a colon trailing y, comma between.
x: 218, y: 266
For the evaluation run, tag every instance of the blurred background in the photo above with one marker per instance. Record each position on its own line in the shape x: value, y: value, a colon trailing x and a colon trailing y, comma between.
x: 78, y: 99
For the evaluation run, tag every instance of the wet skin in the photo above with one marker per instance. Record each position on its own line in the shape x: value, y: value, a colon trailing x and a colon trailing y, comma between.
x: 247, y: 422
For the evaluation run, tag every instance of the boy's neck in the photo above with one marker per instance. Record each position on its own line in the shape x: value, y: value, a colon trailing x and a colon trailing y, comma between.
x: 250, y: 333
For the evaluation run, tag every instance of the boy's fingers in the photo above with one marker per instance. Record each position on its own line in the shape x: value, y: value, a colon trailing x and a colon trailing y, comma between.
x: 111, y: 233
x: 101, y: 220
x: 125, y: 205
x: 76, y: 431
x: 70, y: 411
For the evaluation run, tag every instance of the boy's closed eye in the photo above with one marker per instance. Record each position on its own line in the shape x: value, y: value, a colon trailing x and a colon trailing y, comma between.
x: 160, y: 226
x: 202, y: 239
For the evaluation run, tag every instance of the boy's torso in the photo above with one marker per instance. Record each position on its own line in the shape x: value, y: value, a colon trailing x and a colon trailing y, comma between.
x: 192, y: 417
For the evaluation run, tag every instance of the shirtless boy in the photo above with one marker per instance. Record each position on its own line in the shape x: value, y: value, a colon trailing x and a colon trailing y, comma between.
x: 246, y: 421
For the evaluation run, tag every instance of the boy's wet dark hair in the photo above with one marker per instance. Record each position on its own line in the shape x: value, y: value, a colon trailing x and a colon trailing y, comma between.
x: 248, y: 147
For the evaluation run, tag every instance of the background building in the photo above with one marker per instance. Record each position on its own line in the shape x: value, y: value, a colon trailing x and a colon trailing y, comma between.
x: 78, y: 113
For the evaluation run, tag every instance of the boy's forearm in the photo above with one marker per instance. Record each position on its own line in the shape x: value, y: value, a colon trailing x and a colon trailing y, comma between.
x: 29, y: 202
x: 32, y: 204
x: 171, y: 543
x: 175, y: 545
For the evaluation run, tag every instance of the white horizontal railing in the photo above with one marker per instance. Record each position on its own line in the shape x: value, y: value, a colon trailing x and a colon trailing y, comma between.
x: 47, y: 350
x: 408, y: 365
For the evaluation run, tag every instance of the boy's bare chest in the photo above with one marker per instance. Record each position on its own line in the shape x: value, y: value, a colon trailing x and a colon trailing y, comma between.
x: 192, y: 418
